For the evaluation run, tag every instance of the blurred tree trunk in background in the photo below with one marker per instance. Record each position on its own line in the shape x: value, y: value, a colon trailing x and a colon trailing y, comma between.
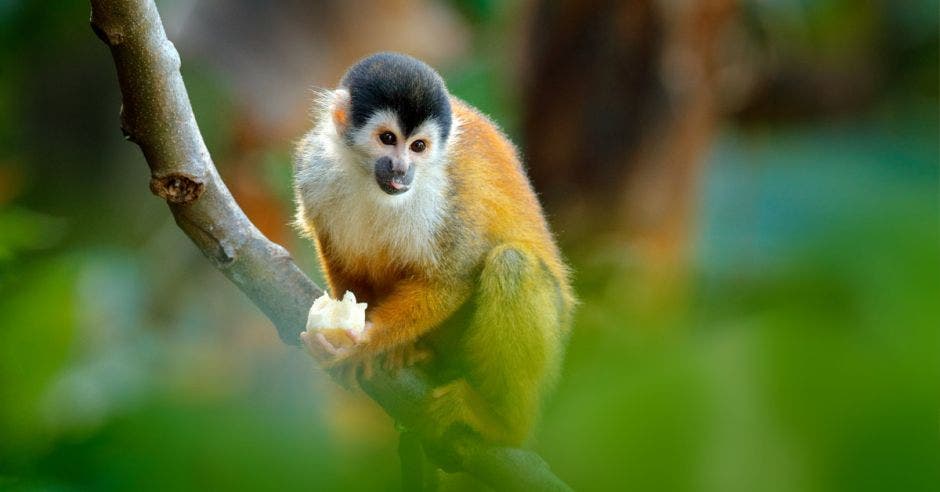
x: 621, y: 101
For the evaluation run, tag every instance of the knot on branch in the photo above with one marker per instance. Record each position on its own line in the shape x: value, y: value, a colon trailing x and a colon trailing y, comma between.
x: 177, y: 188
x: 111, y: 35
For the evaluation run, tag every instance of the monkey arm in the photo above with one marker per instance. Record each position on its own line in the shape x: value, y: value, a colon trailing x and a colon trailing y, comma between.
x: 394, y: 323
x: 410, y: 310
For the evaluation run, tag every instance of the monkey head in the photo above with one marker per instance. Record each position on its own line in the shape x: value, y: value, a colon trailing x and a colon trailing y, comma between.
x: 393, y: 112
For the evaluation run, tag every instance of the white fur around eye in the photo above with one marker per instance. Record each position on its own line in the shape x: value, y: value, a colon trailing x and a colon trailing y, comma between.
x: 366, y: 137
x: 430, y: 132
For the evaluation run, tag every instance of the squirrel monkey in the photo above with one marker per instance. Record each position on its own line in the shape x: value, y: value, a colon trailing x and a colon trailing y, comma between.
x: 419, y: 205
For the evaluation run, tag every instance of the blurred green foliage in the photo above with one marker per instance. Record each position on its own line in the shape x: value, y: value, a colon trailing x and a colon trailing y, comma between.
x: 805, y: 355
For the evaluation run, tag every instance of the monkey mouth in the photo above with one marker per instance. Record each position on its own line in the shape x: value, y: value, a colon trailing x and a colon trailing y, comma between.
x: 393, y: 186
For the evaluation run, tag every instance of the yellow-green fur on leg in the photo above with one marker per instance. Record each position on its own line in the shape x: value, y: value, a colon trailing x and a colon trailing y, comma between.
x: 512, y: 346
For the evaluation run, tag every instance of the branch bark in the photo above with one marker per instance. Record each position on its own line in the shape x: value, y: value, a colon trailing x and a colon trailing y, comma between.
x: 156, y: 115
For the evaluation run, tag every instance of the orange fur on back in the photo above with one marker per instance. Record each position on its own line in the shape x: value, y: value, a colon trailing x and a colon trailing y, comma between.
x: 496, y: 188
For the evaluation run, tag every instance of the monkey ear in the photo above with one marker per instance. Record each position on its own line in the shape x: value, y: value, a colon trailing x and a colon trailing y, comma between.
x: 339, y: 110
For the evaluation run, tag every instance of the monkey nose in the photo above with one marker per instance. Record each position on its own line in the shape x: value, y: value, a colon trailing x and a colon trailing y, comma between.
x: 392, y: 167
x: 399, y: 167
x: 393, y: 175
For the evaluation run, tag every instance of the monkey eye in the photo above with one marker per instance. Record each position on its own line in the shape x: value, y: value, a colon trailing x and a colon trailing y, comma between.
x: 387, y: 138
x: 418, y: 146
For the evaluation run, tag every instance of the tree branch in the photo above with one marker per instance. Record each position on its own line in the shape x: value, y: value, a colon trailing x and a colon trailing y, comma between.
x: 157, y: 116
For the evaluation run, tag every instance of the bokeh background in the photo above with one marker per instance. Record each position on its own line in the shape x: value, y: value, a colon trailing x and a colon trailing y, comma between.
x: 747, y: 191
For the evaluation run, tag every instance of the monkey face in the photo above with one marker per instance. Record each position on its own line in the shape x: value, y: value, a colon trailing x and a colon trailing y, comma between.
x: 396, y: 158
x: 394, y: 112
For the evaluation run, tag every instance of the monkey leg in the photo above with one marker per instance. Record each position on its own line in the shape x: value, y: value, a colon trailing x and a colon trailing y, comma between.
x: 512, y: 349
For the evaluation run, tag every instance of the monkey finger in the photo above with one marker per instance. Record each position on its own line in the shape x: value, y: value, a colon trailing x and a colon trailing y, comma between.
x: 316, y: 348
x: 349, y: 337
x: 417, y: 355
x: 358, y: 338
x: 326, y: 344
x: 391, y: 362
x: 441, y: 391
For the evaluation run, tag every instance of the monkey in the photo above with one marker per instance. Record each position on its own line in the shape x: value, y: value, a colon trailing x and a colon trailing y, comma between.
x: 420, y: 205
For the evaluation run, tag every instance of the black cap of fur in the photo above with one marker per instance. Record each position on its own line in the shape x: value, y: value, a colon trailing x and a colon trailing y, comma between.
x: 405, y: 85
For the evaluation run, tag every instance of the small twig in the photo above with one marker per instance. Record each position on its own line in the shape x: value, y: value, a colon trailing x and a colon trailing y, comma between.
x: 156, y: 115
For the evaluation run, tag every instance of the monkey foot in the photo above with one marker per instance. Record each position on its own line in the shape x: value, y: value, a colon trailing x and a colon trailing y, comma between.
x: 459, y: 404
x: 404, y: 356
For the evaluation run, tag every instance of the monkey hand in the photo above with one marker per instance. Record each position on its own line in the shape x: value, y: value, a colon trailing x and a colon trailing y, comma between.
x: 341, y: 351
x: 336, y: 336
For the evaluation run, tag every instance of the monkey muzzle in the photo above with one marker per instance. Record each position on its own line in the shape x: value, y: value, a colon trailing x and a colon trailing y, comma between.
x: 393, y: 175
